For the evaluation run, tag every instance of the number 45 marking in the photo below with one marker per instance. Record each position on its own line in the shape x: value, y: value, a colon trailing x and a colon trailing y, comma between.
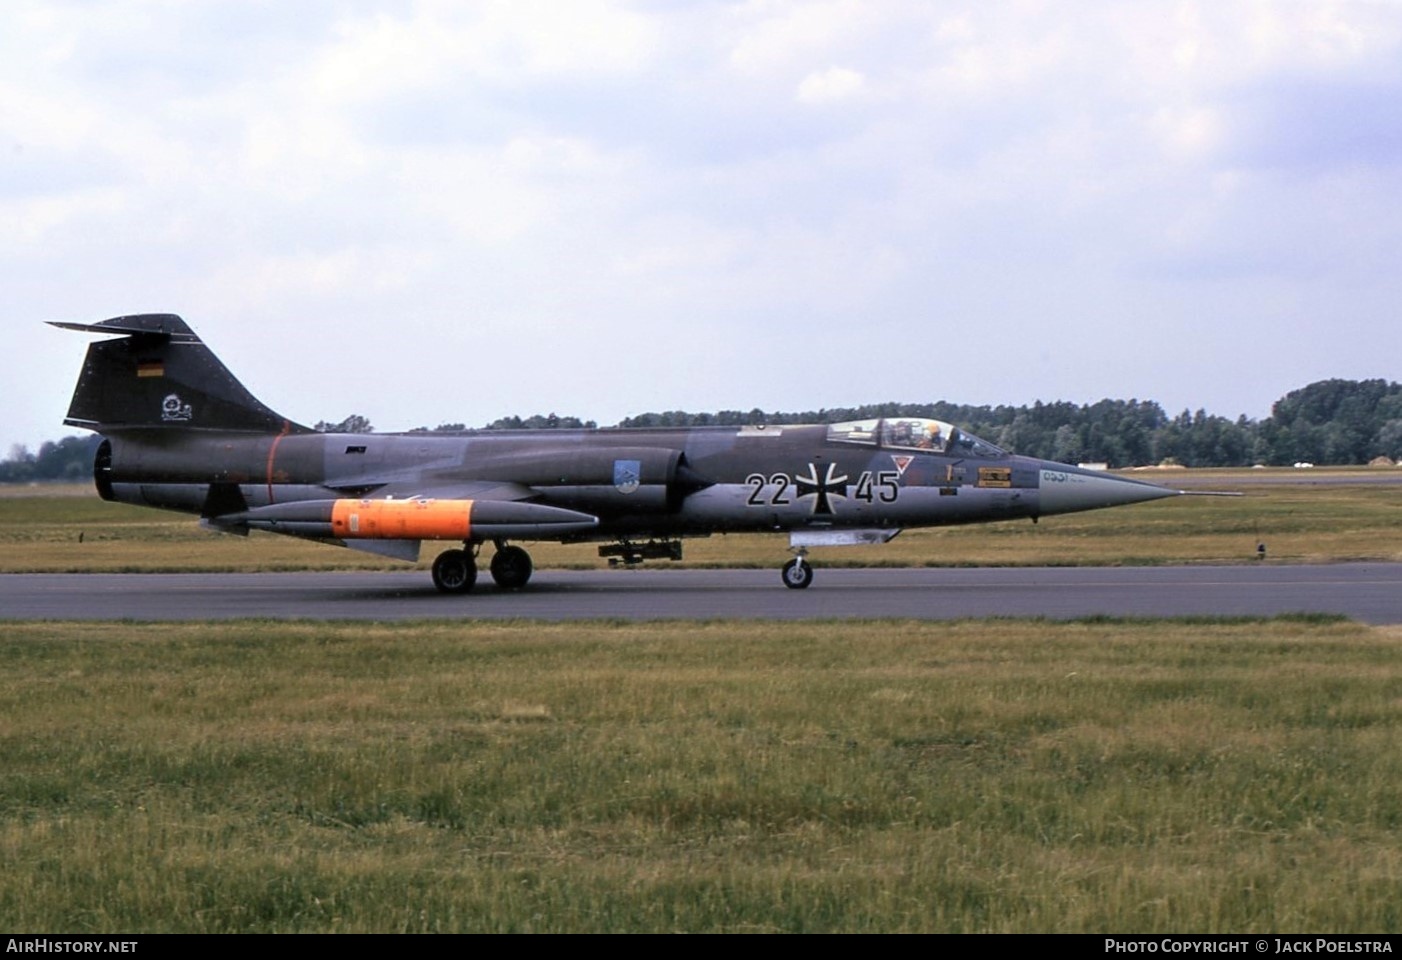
x: 883, y: 487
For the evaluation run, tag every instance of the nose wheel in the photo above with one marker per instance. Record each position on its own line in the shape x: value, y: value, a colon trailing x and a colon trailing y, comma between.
x: 797, y: 574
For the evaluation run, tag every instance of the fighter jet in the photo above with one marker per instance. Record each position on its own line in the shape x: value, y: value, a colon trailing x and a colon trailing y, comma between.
x: 181, y: 433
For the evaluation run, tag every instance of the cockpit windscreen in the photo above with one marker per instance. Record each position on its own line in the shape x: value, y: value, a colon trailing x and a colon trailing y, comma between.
x: 913, y: 433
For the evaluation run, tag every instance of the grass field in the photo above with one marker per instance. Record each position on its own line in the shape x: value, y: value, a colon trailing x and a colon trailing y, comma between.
x: 879, y: 776
x: 1096, y: 776
x: 70, y: 530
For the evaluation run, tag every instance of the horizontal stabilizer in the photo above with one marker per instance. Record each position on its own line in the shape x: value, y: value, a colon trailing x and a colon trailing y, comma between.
x: 159, y: 324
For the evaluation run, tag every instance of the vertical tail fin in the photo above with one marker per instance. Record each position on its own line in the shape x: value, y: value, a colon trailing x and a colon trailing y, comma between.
x: 158, y: 373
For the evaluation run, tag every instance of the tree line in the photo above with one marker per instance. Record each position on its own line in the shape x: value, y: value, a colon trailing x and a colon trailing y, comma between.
x: 1327, y: 422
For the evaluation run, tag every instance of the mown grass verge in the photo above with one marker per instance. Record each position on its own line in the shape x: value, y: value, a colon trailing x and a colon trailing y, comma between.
x: 1104, y: 775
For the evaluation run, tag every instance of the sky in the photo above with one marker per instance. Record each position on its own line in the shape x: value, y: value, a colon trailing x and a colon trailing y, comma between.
x: 428, y: 212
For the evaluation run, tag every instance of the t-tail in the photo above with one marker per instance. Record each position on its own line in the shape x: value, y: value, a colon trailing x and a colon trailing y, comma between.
x: 157, y: 374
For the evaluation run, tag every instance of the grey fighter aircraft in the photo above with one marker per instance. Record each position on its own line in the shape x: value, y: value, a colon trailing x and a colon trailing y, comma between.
x: 180, y: 433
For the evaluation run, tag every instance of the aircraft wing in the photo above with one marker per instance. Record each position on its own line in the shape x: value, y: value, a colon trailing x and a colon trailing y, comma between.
x: 464, y: 490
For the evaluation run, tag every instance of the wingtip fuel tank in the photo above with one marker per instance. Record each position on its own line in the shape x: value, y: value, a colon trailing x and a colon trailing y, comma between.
x: 415, y: 519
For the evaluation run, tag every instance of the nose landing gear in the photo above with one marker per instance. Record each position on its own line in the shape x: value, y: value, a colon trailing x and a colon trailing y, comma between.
x: 797, y: 574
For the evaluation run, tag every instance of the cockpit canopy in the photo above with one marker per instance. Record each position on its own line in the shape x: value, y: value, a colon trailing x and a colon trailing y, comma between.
x: 913, y: 433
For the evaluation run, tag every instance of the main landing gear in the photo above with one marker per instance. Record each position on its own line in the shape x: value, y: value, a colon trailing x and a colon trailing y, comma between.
x: 511, y: 567
x: 455, y: 571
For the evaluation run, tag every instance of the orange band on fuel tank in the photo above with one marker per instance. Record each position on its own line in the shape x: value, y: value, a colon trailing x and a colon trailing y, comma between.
x: 402, y: 519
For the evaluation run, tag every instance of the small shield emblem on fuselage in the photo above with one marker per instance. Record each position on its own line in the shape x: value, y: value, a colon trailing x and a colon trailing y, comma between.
x: 627, y: 475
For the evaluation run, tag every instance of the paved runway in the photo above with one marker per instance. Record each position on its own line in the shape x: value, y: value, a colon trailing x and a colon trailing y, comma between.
x: 1370, y: 592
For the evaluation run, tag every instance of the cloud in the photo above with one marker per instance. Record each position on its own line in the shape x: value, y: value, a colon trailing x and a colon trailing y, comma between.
x: 832, y: 84
x: 737, y: 203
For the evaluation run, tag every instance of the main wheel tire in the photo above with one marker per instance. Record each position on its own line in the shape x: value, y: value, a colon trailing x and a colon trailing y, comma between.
x: 454, y: 571
x: 797, y: 575
x: 511, y: 568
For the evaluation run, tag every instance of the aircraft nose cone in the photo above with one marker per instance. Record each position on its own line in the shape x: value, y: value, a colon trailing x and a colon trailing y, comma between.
x: 1066, y: 489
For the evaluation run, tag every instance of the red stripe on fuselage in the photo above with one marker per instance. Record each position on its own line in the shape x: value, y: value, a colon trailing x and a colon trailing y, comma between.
x: 272, y: 455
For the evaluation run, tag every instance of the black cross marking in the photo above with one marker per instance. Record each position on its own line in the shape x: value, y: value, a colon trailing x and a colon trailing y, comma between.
x: 828, y: 486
